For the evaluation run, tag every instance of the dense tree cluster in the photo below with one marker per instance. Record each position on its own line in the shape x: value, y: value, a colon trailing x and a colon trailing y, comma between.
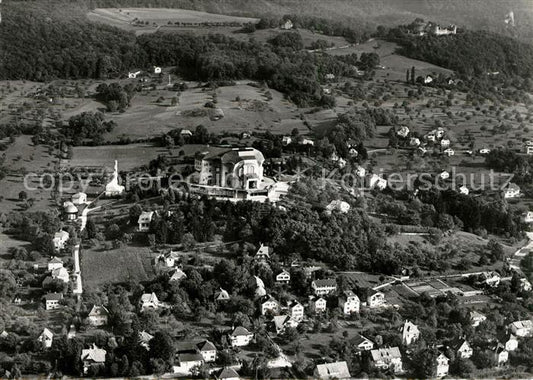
x: 115, y: 96
x: 87, y: 126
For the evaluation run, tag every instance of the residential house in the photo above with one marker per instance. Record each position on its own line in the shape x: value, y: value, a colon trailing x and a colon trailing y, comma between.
x: 511, y: 191
x: 286, y: 140
x: 360, y: 172
x: 55, y: 263
x: 464, y: 190
x: 428, y: 79
x: 92, y: 357
x: 338, y: 205
x: 442, y: 365
x: 281, y: 322
x: 330, y: 371
x: 168, y: 260
x: 491, y: 279
x: 71, y: 332
x: 144, y: 339
x: 305, y: 141
x: 362, y: 343
x: 525, y: 285
x: 79, y: 198
x: 51, y: 300
x: 377, y: 182
x: 501, y: 355
x: 385, y: 358
x: 60, y: 239
x: 70, y: 211
x: 403, y: 131
x: 414, y: 141
x: 349, y: 302
x: 484, y: 151
x: 157, y: 70
x: 61, y: 274
x: 510, y: 342
x: 522, y: 328
x: 287, y: 25
x: 324, y: 286
x: 186, y: 133
x: 263, y: 253
x: 269, y: 305
x: 284, y: 277
x: 227, y: 373
x: 46, y: 338
x: 208, y: 351
x: 133, y: 74
x: 144, y: 221
x: 463, y: 349
x: 98, y: 316
x: 449, y: 152
x: 222, y: 295
x: 477, y: 318
x: 527, y: 217
x: 240, y: 337
x: 375, y: 299
x: 149, y: 301
x: 410, y: 333
x: 178, y: 275
x: 318, y: 305
x: 444, y: 175
x: 445, y: 143
x: 186, y: 362
x: 528, y: 148
x: 296, y: 310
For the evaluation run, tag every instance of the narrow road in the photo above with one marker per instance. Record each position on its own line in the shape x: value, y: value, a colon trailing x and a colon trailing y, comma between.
x: 514, y: 262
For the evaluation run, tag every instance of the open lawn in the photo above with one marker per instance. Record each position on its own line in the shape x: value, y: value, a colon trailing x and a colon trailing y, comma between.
x: 117, y: 265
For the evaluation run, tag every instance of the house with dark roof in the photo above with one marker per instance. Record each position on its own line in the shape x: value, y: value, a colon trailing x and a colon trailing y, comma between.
x: 207, y: 350
x: 92, y: 357
x: 385, y: 358
x: 51, y: 300
x: 227, y: 373
x: 324, y: 286
x: 240, y: 337
x: 98, y: 316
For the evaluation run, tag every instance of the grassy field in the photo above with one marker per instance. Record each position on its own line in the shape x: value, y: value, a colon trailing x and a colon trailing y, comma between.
x: 118, y: 265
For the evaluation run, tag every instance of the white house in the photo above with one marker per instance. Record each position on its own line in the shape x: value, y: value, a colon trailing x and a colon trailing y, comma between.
x: 98, y: 316
x: 281, y: 322
x: 305, y: 141
x: 91, y: 357
x: 178, y: 275
x: 296, y: 310
x: 79, y: 198
x: 511, y: 191
x: 362, y: 343
x: 444, y: 175
x: 330, y: 371
x: 144, y: 339
x: 240, y: 337
x: 375, y: 299
x: 525, y: 285
x: 522, y: 328
x: 377, y: 182
x: 157, y: 70
x: 286, y: 140
x: 70, y: 211
x: 445, y: 143
x: 287, y: 25
x: 491, y: 279
x: 208, y: 351
x: 144, y: 221
x: 55, y: 263
x: 501, y: 355
x: 61, y: 274
x: 338, y: 205
x: 428, y: 79
x: 463, y: 349
x: 324, y: 286
x: 186, y: 362
x: 464, y: 190
x: 484, y: 151
x: 414, y: 141
x: 477, y: 318
x: 269, y: 304
x: 222, y: 295
x: 263, y: 253
x: 528, y: 148
x: 360, y: 172
x: 410, y: 333
x: 349, y: 302
x: 510, y: 342
x: 527, y: 217
x: 442, y: 365
x: 318, y: 305
x: 403, y: 131
x: 46, y: 338
x: 51, y: 300
x: 284, y: 277
x: 385, y: 358
x: 149, y: 301
x: 449, y: 152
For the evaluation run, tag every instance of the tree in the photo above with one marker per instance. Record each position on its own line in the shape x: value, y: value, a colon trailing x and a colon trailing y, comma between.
x: 134, y: 213
x: 461, y: 367
x: 162, y: 347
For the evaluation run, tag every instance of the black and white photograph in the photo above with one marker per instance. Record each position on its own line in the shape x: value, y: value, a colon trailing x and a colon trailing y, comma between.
x: 266, y: 189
